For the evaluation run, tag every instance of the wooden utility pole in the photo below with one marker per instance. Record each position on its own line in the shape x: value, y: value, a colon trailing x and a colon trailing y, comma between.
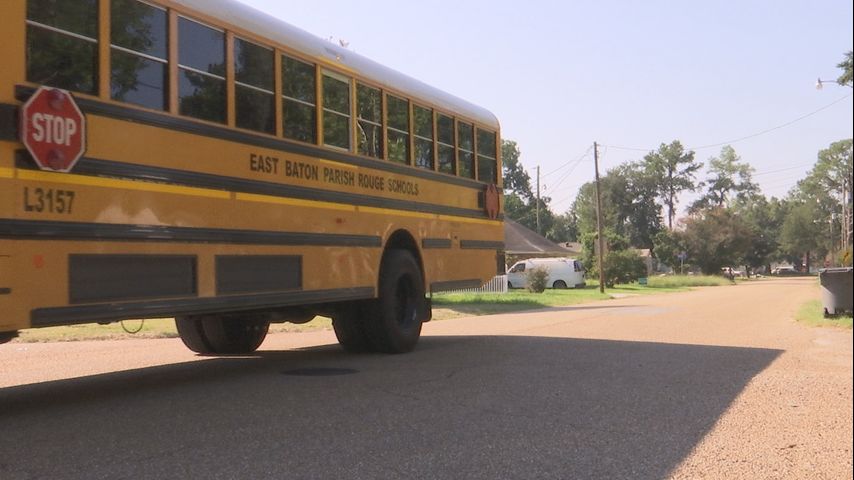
x: 538, y: 200
x: 600, y: 239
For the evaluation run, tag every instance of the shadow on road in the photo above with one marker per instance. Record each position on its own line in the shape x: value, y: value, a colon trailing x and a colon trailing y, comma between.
x: 458, y: 407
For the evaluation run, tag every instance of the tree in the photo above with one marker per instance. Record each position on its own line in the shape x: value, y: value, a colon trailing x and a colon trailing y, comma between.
x: 801, y: 233
x: 765, y: 218
x: 672, y: 169
x: 520, y: 203
x: 846, y: 66
x: 828, y: 186
x: 717, y: 238
x: 628, y: 205
x: 729, y: 176
x: 516, y: 179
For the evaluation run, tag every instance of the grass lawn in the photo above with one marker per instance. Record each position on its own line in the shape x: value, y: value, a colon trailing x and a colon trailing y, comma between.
x: 812, y: 313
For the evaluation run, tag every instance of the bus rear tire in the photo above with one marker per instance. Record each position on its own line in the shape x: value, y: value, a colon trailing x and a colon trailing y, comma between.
x: 392, y: 321
x: 348, y: 324
x: 222, y: 334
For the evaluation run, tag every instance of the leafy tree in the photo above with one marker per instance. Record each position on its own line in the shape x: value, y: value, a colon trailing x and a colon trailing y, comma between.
x: 765, y: 218
x: 564, y: 229
x: 520, y: 202
x: 729, y: 176
x: 516, y: 179
x: 801, y: 233
x: 667, y: 245
x: 715, y: 239
x: 828, y: 186
x: 628, y: 205
x: 845, y: 65
x: 673, y: 170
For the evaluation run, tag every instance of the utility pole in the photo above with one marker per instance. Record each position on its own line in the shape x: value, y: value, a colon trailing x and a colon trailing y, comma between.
x: 600, y: 239
x: 538, y: 200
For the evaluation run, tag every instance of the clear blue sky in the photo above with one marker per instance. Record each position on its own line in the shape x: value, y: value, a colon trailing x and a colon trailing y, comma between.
x: 561, y: 75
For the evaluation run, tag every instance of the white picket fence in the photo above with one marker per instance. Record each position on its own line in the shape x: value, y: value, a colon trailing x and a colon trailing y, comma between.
x: 496, y: 285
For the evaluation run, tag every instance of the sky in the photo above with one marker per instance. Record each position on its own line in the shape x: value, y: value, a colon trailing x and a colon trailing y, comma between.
x: 629, y: 75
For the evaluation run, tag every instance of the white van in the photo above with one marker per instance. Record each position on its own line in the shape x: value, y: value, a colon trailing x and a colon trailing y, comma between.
x: 563, y: 272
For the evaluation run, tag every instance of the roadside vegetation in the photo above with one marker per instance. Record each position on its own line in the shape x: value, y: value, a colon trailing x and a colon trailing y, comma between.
x: 812, y: 313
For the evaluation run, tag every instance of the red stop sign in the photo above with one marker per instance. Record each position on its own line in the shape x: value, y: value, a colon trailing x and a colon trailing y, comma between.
x: 53, y: 129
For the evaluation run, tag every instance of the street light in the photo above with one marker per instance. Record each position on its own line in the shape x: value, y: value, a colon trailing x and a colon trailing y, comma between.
x: 819, y: 83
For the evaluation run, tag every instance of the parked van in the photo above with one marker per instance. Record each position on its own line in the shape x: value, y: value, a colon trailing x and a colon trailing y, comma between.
x: 563, y: 272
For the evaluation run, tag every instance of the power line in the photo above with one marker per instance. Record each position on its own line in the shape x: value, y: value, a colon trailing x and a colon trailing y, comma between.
x: 746, y: 137
x: 769, y: 172
x: 587, y: 152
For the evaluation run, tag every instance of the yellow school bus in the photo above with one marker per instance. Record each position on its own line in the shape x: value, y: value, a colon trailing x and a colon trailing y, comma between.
x: 230, y: 171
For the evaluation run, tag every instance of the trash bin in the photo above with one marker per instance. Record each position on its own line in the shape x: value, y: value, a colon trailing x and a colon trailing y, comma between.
x: 837, y: 294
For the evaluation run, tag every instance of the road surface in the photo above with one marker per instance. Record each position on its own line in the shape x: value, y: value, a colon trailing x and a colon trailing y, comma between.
x: 714, y: 383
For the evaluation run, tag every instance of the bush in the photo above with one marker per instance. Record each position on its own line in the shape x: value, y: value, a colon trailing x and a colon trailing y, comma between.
x: 537, y: 278
x: 623, y: 266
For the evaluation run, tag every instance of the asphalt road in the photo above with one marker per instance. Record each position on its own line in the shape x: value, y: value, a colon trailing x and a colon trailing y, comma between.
x: 714, y: 383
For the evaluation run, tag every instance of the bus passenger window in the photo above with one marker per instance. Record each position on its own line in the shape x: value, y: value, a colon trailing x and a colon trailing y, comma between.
x: 398, y: 129
x: 254, y: 97
x: 487, y: 158
x: 423, y: 120
x: 445, y: 140
x: 138, y: 54
x: 336, y: 111
x: 299, y: 100
x: 466, y: 150
x: 201, y: 71
x: 369, y: 108
x: 62, y: 44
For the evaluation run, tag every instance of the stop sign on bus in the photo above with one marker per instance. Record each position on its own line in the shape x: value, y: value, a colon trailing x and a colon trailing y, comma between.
x: 53, y: 129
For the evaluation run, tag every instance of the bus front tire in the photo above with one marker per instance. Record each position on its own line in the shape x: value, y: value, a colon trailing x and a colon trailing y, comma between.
x: 221, y: 334
x: 560, y: 285
x: 392, y: 321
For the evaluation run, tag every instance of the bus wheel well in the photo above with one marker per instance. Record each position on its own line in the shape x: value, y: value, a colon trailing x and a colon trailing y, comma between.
x: 403, y: 240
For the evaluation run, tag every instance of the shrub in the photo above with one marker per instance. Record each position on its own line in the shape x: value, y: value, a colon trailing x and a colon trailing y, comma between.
x: 537, y: 278
x: 623, y: 266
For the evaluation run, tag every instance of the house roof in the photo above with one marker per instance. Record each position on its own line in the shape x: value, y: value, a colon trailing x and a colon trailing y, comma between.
x: 519, y: 240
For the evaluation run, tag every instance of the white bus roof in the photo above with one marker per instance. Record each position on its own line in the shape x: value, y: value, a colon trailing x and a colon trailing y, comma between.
x: 239, y: 15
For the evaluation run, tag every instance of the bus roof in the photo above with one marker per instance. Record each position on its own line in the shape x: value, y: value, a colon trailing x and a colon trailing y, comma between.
x: 267, y: 26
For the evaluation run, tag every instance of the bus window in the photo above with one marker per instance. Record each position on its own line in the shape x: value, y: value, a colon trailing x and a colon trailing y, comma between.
x: 62, y: 44
x: 369, y: 108
x: 299, y: 100
x: 487, y: 162
x: 254, y: 97
x: 201, y: 71
x: 139, y: 70
x: 336, y: 111
x: 445, y: 140
x: 466, y: 150
x: 423, y: 121
x: 398, y: 129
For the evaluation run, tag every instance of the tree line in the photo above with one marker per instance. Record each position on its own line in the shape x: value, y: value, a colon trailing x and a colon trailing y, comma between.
x: 730, y: 223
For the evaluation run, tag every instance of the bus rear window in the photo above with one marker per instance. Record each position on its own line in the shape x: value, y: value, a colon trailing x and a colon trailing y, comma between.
x: 62, y: 44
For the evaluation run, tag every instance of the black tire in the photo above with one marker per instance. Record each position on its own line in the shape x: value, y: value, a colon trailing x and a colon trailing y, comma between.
x: 190, y: 330
x: 222, y: 334
x: 559, y: 284
x: 348, y: 324
x: 392, y: 322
